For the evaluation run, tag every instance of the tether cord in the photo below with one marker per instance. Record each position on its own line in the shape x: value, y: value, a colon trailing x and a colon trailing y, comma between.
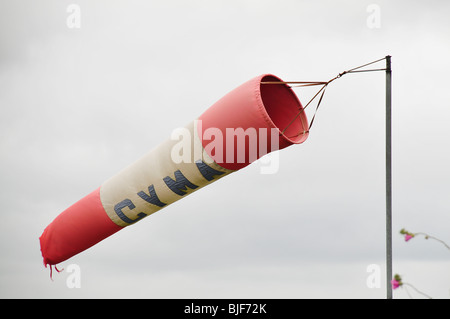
x: 293, y: 84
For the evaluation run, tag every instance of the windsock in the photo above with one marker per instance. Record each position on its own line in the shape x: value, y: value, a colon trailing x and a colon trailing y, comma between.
x: 252, y: 120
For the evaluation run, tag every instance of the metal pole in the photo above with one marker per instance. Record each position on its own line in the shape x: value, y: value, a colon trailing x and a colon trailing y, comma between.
x: 388, y: 178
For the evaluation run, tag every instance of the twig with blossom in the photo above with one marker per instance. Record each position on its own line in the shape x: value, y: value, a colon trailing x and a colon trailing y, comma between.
x: 409, y: 235
x: 398, y: 282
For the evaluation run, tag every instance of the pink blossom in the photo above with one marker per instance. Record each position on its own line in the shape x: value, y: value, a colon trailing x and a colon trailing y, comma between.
x: 408, y: 237
x: 395, y: 284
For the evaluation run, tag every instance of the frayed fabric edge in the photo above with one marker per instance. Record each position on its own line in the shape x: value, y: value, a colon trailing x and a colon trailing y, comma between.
x: 51, y: 270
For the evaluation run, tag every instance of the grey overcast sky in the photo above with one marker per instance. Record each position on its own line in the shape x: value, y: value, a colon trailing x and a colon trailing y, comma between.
x: 79, y: 104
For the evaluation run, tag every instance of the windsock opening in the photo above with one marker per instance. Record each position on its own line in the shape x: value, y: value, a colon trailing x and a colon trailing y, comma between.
x: 254, y: 108
x: 282, y: 106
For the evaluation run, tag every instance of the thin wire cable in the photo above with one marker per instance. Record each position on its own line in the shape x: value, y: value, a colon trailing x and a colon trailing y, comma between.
x: 303, y: 109
x: 293, y: 84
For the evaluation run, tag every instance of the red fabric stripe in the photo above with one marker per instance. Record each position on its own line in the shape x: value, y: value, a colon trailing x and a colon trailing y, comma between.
x: 79, y: 227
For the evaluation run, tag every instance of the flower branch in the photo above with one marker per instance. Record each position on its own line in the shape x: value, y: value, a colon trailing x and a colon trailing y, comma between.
x: 409, y: 235
x: 398, y: 282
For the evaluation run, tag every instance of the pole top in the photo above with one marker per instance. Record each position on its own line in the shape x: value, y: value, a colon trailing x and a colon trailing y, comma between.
x: 388, y: 63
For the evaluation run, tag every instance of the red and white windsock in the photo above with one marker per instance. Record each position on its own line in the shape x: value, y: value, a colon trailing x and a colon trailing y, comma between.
x: 244, y: 125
